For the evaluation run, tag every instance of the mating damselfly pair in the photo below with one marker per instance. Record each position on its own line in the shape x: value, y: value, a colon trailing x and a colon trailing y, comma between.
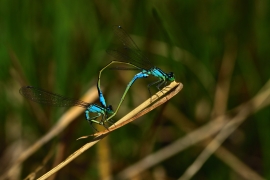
x: 128, y: 54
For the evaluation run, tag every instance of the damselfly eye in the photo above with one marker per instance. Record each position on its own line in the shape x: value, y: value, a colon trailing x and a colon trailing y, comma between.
x: 109, y: 108
x: 171, y: 76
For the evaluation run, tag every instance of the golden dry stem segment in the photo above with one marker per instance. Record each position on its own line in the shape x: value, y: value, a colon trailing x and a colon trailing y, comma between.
x: 156, y: 100
x: 168, y: 92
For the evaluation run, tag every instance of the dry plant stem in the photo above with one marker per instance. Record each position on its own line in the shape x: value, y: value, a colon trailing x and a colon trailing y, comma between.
x: 231, y: 126
x: 140, y: 110
x: 62, y: 123
x: 172, y: 149
x: 222, y: 153
x: 41, y: 166
x: 173, y: 85
x: 103, y: 161
x: 220, y: 103
x: 69, y: 159
x: 224, y: 77
x: 235, y: 164
x: 256, y: 103
x: 261, y: 100
x: 59, y: 156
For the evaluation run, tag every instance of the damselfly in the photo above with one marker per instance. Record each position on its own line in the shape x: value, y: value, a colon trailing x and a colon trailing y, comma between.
x: 47, y: 98
x: 130, y: 54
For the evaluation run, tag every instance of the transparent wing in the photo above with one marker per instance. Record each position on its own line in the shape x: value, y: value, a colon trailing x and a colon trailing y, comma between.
x: 130, y: 51
x: 124, y: 68
x: 129, y: 56
x: 124, y: 56
x: 48, y: 98
x: 124, y: 37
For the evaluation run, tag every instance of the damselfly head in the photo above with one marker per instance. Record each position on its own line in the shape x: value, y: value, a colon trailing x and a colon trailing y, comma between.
x: 171, y: 76
x: 110, y: 109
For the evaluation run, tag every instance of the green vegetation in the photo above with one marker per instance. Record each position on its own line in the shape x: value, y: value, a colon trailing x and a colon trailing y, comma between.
x: 219, y: 50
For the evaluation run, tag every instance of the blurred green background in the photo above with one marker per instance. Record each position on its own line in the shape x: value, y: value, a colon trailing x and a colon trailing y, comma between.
x: 61, y: 45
